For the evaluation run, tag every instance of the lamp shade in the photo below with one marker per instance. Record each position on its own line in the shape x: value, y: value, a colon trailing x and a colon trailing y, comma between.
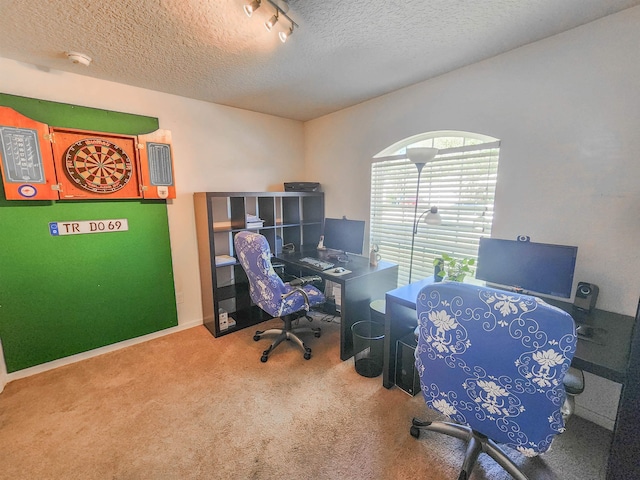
x: 421, y: 154
x: 433, y: 217
x: 430, y: 216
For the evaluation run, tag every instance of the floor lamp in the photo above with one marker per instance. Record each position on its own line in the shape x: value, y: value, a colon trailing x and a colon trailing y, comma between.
x: 420, y: 156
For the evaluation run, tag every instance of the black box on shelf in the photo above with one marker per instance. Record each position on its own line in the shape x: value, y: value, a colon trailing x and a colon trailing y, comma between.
x: 407, y: 377
x: 301, y: 187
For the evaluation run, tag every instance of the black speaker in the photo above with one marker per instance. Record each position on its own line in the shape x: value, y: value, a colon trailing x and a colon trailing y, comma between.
x: 586, y: 296
x: 406, y: 374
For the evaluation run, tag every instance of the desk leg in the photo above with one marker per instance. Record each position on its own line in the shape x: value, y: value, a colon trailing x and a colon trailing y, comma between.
x: 357, y: 295
x: 624, y: 455
x: 398, y: 322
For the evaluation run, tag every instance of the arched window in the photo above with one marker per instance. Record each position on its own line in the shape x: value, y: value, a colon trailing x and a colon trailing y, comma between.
x: 460, y: 181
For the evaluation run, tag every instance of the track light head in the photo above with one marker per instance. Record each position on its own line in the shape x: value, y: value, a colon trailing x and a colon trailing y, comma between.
x: 271, y: 22
x: 249, y: 8
x: 284, y: 35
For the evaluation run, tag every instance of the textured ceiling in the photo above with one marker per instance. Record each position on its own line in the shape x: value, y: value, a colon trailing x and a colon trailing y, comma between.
x: 345, y: 52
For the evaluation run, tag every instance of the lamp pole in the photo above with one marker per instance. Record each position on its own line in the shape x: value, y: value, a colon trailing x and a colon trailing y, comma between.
x: 419, y: 166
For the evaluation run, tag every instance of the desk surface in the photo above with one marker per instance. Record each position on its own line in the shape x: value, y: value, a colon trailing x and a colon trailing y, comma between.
x: 606, y: 354
x: 357, y: 264
x: 359, y: 288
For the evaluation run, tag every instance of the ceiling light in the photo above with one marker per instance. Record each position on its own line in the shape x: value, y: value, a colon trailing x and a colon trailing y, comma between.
x: 249, y: 8
x: 271, y: 22
x: 281, y: 8
x: 286, y: 34
x: 80, y: 58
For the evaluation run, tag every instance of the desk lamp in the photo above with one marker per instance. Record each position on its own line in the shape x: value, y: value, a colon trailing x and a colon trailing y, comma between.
x: 420, y: 156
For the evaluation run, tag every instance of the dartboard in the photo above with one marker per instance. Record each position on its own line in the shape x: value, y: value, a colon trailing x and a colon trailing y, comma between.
x: 98, y: 165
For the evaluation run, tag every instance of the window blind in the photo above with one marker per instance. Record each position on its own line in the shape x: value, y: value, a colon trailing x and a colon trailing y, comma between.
x: 460, y: 181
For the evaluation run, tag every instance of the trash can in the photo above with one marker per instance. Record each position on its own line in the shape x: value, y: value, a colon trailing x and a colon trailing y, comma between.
x: 377, y: 309
x: 368, y: 348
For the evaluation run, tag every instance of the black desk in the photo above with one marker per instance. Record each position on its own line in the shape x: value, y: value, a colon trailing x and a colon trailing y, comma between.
x: 613, y: 353
x: 358, y: 288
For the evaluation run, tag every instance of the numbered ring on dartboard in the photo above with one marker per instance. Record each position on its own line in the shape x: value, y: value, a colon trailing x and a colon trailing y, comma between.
x: 98, y: 165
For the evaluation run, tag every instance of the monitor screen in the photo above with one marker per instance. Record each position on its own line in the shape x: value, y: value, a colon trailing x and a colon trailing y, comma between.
x: 533, y: 267
x: 344, y: 235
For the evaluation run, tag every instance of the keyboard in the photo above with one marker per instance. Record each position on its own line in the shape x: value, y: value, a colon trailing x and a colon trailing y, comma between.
x: 317, y: 263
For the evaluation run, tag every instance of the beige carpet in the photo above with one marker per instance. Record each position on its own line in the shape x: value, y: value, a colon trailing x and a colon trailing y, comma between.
x: 190, y: 406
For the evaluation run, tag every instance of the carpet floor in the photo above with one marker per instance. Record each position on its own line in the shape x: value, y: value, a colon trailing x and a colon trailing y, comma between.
x: 190, y: 406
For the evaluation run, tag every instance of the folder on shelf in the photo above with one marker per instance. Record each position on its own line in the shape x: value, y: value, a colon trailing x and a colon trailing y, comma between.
x: 222, y: 260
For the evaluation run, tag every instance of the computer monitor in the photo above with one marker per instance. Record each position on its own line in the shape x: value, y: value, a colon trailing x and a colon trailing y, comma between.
x: 344, y: 235
x: 530, y: 267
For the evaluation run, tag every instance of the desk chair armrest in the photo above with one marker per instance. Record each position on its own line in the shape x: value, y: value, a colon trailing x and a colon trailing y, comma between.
x: 307, y: 303
x: 302, y: 281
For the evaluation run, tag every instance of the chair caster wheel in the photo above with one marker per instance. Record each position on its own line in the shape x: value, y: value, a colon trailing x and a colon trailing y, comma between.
x: 317, y: 334
x: 307, y: 355
x: 414, y: 431
x: 264, y: 358
x: 256, y: 338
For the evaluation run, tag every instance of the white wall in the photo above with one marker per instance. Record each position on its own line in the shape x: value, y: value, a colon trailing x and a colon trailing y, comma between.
x: 567, y: 110
x: 216, y: 148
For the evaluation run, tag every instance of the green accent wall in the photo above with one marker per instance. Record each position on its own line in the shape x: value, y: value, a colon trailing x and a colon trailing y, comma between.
x: 69, y: 294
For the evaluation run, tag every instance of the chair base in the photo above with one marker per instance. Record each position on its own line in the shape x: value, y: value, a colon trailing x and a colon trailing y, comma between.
x: 288, y: 332
x: 573, y: 386
x: 476, y: 444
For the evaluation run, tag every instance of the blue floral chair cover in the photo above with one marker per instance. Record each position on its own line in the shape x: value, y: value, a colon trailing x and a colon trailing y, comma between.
x: 493, y: 362
x: 271, y: 294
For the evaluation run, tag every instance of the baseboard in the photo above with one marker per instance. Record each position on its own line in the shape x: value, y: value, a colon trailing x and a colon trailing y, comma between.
x: 27, y: 372
x: 594, y: 417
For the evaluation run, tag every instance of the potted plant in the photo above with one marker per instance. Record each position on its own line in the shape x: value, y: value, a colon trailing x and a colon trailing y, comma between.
x: 453, y: 269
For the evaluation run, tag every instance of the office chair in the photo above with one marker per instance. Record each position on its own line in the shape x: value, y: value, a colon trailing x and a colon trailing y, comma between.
x: 493, y: 362
x: 289, y: 301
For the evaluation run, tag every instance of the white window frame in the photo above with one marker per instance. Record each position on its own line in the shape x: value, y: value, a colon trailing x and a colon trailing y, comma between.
x: 460, y: 181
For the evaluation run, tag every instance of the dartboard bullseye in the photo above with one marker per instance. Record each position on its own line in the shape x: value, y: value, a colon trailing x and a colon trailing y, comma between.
x: 97, y: 165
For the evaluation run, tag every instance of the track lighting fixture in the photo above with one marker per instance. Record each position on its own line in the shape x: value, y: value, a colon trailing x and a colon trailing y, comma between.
x: 271, y: 22
x: 285, y: 34
x: 281, y: 8
x: 249, y: 8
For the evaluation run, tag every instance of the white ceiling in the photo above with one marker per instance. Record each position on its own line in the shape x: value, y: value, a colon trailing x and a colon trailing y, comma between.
x: 345, y: 51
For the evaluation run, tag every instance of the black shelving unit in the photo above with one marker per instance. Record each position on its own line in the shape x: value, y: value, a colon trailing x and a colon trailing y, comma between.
x: 289, y: 218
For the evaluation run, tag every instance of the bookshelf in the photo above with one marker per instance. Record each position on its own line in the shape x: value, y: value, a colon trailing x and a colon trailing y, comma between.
x: 282, y: 217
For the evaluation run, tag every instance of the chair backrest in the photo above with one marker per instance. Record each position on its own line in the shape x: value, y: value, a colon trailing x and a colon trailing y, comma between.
x: 495, y: 360
x: 265, y: 286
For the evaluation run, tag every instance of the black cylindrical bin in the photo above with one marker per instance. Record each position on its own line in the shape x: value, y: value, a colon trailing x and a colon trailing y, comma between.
x: 368, y: 348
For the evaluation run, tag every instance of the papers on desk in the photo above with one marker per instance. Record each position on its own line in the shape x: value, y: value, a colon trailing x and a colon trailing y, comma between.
x: 222, y: 260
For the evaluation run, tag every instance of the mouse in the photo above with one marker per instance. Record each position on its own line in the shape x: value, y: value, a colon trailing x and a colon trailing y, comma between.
x: 584, y: 331
x: 338, y: 270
